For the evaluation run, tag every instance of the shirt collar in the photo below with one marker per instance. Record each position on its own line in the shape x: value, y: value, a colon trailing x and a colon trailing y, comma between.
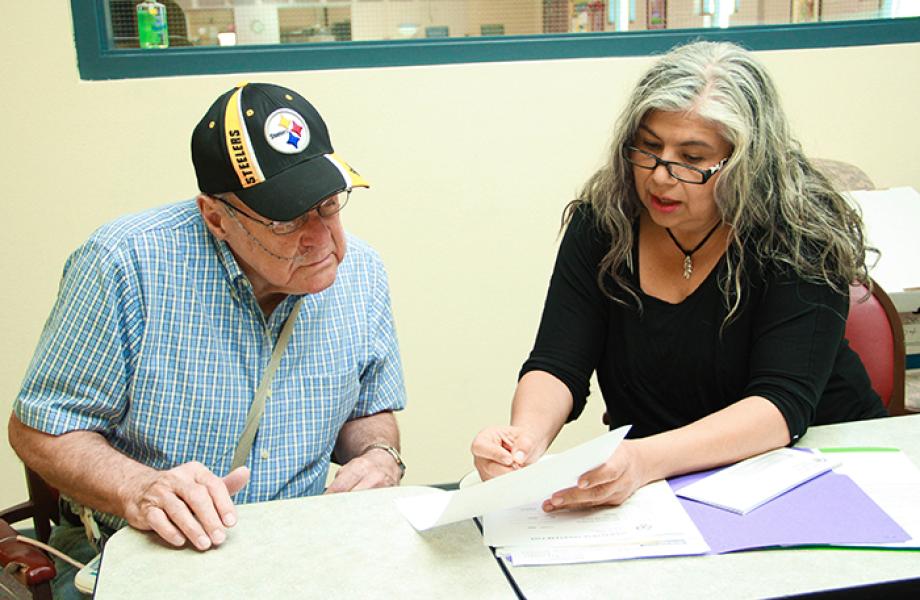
x: 232, y: 268
x: 238, y: 281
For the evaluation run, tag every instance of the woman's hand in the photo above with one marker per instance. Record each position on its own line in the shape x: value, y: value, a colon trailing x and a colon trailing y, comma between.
x: 499, y: 450
x: 611, y: 484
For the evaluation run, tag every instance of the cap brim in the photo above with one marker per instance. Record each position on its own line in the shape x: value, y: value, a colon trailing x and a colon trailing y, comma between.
x: 293, y: 192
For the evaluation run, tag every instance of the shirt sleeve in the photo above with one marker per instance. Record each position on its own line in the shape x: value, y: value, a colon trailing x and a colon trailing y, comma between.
x: 573, y: 327
x: 382, y: 385
x: 797, y: 331
x: 78, y: 377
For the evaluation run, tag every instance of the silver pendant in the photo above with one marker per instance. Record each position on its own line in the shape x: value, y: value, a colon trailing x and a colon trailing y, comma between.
x: 688, y: 266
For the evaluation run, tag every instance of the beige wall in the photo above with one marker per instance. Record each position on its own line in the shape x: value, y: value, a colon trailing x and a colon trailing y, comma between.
x: 471, y: 165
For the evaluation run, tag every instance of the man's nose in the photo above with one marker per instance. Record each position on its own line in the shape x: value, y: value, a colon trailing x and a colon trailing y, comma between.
x: 314, y: 229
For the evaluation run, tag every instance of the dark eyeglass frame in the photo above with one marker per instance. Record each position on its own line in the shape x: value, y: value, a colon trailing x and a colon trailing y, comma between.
x: 706, y: 174
x: 289, y: 227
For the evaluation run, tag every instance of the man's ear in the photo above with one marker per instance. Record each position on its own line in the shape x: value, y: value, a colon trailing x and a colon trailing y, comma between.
x: 214, y: 217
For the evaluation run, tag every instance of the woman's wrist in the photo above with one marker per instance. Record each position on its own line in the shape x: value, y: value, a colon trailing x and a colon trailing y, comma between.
x: 648, y: 463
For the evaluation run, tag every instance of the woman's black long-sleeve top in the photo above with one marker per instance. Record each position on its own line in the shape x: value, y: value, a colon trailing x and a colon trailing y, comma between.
x: 671, y: 364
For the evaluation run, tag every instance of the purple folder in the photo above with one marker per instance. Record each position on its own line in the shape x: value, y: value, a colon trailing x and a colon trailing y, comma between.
x: 827, y: 510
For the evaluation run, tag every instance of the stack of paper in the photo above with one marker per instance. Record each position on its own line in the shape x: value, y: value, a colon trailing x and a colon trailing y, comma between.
x: 781, y: 498
x: 824, y: 509
x: 650, y: 523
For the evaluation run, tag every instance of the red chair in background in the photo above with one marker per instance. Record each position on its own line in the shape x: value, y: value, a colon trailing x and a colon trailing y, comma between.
x: 875, y: 332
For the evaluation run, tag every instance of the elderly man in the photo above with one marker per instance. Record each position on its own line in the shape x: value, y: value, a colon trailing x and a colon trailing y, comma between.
x: 212, y: 343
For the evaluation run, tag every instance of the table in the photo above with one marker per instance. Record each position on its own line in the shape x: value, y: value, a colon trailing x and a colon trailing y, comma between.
x: 756, y: 574
x: 358, y: 546
x: 352, y: 545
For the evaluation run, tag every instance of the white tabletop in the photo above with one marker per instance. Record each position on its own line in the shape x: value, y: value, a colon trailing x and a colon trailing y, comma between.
x: 755, y: 574
x: 357, y: 546
x: 337, y: 546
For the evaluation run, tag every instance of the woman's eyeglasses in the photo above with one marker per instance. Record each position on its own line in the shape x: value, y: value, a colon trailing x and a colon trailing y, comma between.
x: 677, y: 170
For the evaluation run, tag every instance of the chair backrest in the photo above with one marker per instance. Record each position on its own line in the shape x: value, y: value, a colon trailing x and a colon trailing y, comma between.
x: 45, y: 499
x: 875, y: 332
x: 845, y: 175
x: 41, y: 507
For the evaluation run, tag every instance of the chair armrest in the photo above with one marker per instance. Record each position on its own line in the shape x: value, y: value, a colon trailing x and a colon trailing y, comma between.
x: 35, y: 566
x: 20, y: 512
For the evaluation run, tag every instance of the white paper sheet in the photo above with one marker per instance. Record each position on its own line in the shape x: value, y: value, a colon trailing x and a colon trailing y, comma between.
x: 890, y: 218
x: 750, y: 483
x: 892, y: 480
x: 532, y: 483
x: 651, y: 523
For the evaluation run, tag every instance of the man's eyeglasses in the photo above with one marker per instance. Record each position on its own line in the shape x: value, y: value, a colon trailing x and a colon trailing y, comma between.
x: 325, y: 209
x: 679, y: 171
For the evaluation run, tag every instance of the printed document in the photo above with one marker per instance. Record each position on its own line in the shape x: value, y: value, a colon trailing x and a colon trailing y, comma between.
x: 651, y: 523
x: 532, y: 483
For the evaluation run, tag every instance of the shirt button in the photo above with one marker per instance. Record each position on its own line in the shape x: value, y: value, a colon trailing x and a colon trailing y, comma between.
x: 265, y: 454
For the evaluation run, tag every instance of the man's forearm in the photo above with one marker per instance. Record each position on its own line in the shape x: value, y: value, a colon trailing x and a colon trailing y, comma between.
x: 81, y: 464
x: 356, y: 435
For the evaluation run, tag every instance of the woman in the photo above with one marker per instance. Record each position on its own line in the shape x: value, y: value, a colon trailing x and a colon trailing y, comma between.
x: 704, y: 276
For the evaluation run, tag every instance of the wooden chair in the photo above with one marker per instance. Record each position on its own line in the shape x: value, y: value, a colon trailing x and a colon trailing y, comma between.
x: 875, y: 332
x: 31, y: 567
x: 41, y: 507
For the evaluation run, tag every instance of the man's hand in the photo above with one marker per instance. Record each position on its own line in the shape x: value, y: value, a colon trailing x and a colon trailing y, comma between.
x: 188, y: 502
x: 499, y: 450
x: 612, y: 483
x: 373, y: 469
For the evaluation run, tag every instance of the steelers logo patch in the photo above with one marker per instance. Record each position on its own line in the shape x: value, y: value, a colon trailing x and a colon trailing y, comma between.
x: 286, y: 131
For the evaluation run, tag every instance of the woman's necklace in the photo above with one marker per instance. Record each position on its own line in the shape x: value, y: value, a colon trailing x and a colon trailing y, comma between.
x: 688, y: 261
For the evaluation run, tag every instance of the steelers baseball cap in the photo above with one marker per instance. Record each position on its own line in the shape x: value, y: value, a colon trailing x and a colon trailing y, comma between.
x: 270, y: 147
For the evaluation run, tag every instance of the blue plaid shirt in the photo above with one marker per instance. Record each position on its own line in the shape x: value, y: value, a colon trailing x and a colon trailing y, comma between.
x: 157, y: 342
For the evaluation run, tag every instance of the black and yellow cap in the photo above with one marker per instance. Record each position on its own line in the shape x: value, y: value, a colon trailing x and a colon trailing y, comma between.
x: 270, y: 147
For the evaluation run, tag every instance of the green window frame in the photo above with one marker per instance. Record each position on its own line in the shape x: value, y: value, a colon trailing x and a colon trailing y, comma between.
x: 96, y: 60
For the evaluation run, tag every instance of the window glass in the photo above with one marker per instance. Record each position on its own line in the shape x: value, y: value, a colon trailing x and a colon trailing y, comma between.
x: 246, y: 22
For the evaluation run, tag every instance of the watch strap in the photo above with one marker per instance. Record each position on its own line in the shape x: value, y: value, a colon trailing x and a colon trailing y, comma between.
x: 392, y: 452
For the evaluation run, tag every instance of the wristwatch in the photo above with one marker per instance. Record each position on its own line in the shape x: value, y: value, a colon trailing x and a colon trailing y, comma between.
x: 392, y: 452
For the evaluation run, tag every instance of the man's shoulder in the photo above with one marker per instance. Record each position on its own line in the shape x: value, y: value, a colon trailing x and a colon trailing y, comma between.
x: 362, y: 273
x: 149, y: 224
x: 361, y: 255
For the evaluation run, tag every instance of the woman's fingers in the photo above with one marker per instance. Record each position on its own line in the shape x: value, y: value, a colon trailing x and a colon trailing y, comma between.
x: 609, y: 484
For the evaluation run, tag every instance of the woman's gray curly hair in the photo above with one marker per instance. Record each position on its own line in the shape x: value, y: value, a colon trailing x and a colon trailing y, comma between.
x: 780, y: 208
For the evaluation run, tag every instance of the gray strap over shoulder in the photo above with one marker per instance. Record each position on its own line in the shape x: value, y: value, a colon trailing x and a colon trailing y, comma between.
x: 244, y: 446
